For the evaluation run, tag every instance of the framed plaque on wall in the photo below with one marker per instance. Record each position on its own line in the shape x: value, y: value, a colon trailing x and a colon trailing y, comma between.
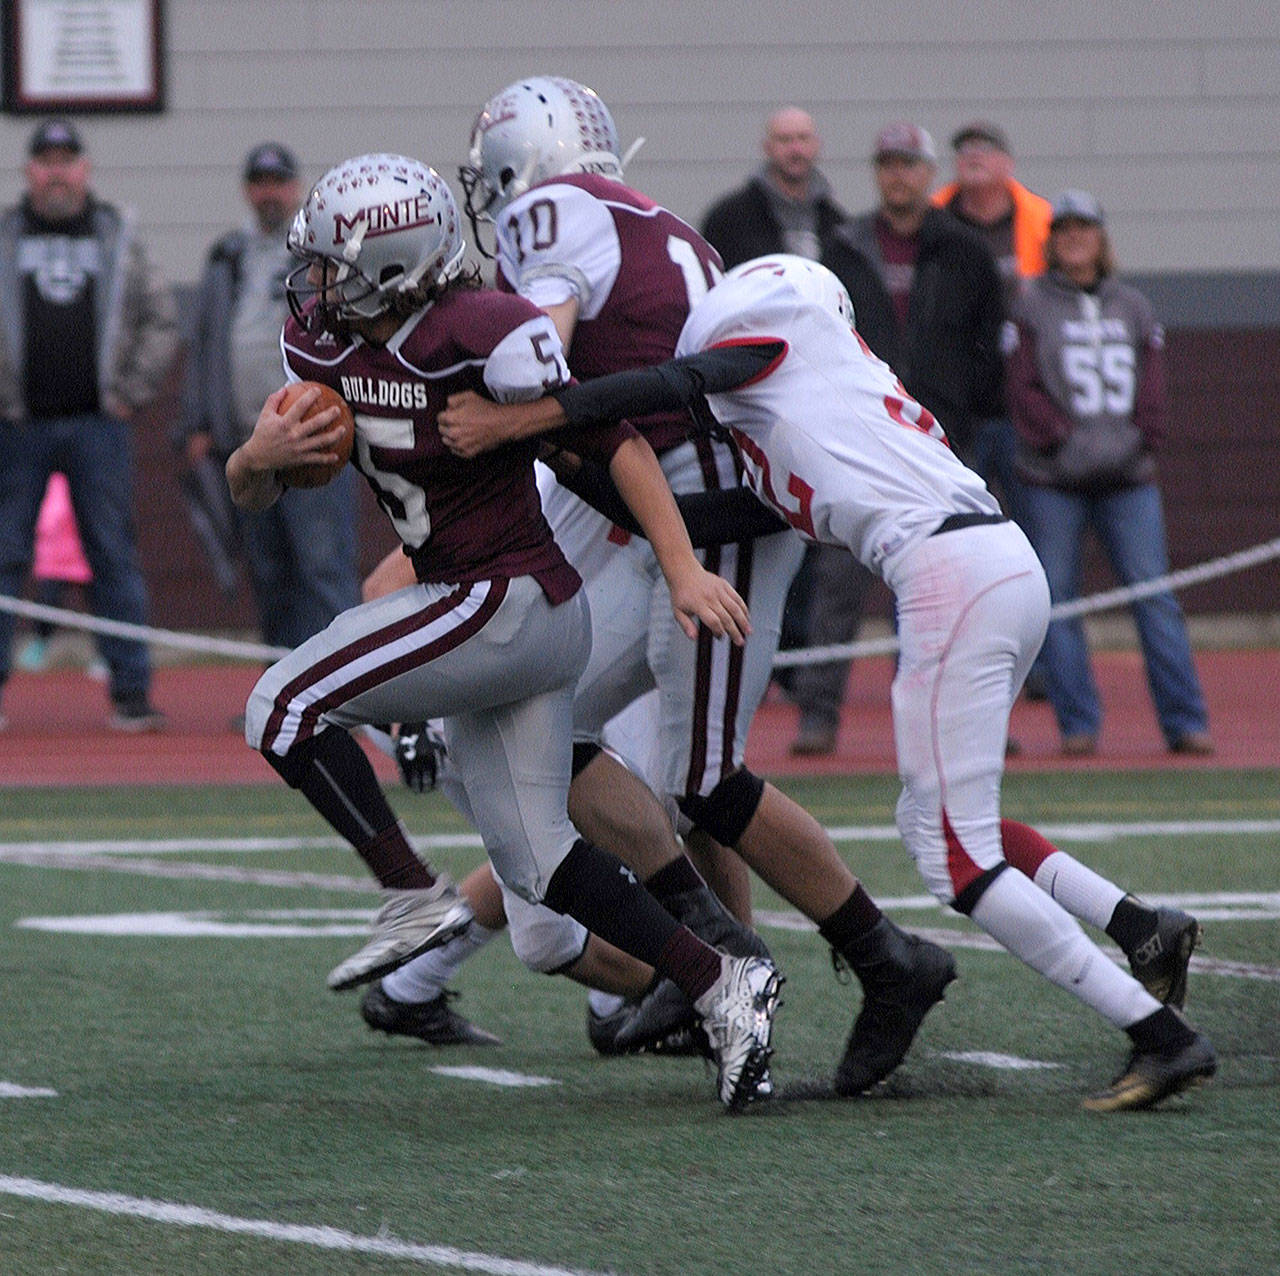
x: 64, y: 56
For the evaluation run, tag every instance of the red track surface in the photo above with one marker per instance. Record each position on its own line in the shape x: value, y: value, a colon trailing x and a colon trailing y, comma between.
x: 57, y: 732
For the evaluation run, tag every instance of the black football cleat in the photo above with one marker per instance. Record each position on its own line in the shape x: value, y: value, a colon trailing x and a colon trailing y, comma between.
x: 663, y: 1021
x: 895, y: 1002
x: 1160, y: 962
x: 602, y: 1030
x: 1154, y: 1075
x: 434, y: 1022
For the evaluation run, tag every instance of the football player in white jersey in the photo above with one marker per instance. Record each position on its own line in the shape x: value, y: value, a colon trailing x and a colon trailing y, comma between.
x: 833, y: 443
x: 618, y: 274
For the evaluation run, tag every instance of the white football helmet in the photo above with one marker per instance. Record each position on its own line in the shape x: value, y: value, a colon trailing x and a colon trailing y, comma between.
x: 811, y: 279
x: 390, y: 227
x: 537, y: 128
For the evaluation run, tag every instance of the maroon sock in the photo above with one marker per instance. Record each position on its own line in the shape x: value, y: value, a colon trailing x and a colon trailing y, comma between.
x: 689, y: 963
x: 332, y: 772
x: 393, y: 862
x: 1024, y: 847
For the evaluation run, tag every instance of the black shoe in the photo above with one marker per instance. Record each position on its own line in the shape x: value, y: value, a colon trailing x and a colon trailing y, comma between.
x: 1154, y: 1075
x: 1034, y: 690
x: 434, y: 1022
x: 663, y: 1021
x: 1160, y: 963
x: 897, y: 994
x: 602, y: 1030
x: 136, y: 715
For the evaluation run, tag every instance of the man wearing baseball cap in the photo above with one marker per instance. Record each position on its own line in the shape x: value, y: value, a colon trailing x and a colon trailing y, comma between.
x: 55, y: 135
x: 88, y: 331
x: 1013, y: 220
x: 302, y: 552
x: 926, y: 297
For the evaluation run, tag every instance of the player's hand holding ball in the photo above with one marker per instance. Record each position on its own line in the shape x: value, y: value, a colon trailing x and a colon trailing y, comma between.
x: 304, y: 433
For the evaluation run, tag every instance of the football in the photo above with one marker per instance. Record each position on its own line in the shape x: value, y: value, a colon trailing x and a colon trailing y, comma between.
x: 319, y: 475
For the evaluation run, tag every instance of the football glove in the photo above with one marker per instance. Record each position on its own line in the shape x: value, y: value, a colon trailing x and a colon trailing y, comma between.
x: 419, y: 750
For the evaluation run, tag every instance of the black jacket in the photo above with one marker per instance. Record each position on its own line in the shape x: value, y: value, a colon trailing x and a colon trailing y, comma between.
x: 949, y: 357
x: 742, y: 226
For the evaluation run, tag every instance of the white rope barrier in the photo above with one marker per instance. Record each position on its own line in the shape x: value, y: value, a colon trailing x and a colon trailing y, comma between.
x: 1109, y: 600
x: 201, y: 643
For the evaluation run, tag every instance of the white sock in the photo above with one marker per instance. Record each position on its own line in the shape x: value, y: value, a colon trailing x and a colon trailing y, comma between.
x: 425, y: 977
x: 604, y: 1003
x: 1082, y: 892
x: 1034, y: 928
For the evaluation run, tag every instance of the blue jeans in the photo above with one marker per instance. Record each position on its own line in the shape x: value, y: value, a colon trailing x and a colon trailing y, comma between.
x: 302, y: 557
x: 1130, y: 525
x: 95, y: 452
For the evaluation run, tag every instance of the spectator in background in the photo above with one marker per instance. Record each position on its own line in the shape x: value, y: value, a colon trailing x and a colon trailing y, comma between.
x: 302, y: 551
x: 926, y: 299
x: 1086, y: 387
x: 786, y: 206
x: 87, y: 335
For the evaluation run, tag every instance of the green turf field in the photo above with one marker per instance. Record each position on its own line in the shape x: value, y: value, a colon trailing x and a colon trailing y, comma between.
x: 188, y: 1102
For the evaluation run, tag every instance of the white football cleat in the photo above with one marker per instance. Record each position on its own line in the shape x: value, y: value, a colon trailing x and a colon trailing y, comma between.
x: 737, y: 1015
x: 408, y: 923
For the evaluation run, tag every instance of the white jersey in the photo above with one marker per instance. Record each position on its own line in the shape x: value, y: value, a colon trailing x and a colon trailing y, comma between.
x: 829, y: 437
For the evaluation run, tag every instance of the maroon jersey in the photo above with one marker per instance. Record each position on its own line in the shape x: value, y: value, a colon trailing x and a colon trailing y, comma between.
x: 635, y: 268
x: 460, y: 520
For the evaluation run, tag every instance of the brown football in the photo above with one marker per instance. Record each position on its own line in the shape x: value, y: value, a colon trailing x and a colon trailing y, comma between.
x: 319, y: 475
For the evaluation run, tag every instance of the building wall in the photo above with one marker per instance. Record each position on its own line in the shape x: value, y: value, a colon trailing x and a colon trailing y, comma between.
x: 1167, y: 111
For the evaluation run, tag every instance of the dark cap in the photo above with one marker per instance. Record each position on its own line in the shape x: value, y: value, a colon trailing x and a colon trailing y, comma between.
x: 1079, y: 205
x: 270, y: 159
x: 906, y: 139
x: 55, y: 135
x: 982, y: 131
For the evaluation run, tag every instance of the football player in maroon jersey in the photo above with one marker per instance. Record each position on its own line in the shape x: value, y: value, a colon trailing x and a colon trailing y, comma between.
x: 495, y: 631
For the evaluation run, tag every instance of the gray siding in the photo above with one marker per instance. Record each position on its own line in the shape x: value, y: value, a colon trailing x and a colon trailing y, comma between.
x: 1170, y: 112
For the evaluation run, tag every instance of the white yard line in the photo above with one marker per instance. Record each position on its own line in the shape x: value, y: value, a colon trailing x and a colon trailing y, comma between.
x: 1095, y: 831
x: 494, y: 1076
x: 317, y: 1237
x: 11, y: 1090
x: 183, y: 870
x: 221, y: 845
x: 989, y: 1059
x: 973, y: 939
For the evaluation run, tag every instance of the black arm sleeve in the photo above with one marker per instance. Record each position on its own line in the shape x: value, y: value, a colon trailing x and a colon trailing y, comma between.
x: 674, y: 384
x: 712, y: 518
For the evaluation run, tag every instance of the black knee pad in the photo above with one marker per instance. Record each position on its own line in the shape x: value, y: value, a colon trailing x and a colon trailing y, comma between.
x: 585, y: 753
x: 968, y: 898
x: 726, y: 811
